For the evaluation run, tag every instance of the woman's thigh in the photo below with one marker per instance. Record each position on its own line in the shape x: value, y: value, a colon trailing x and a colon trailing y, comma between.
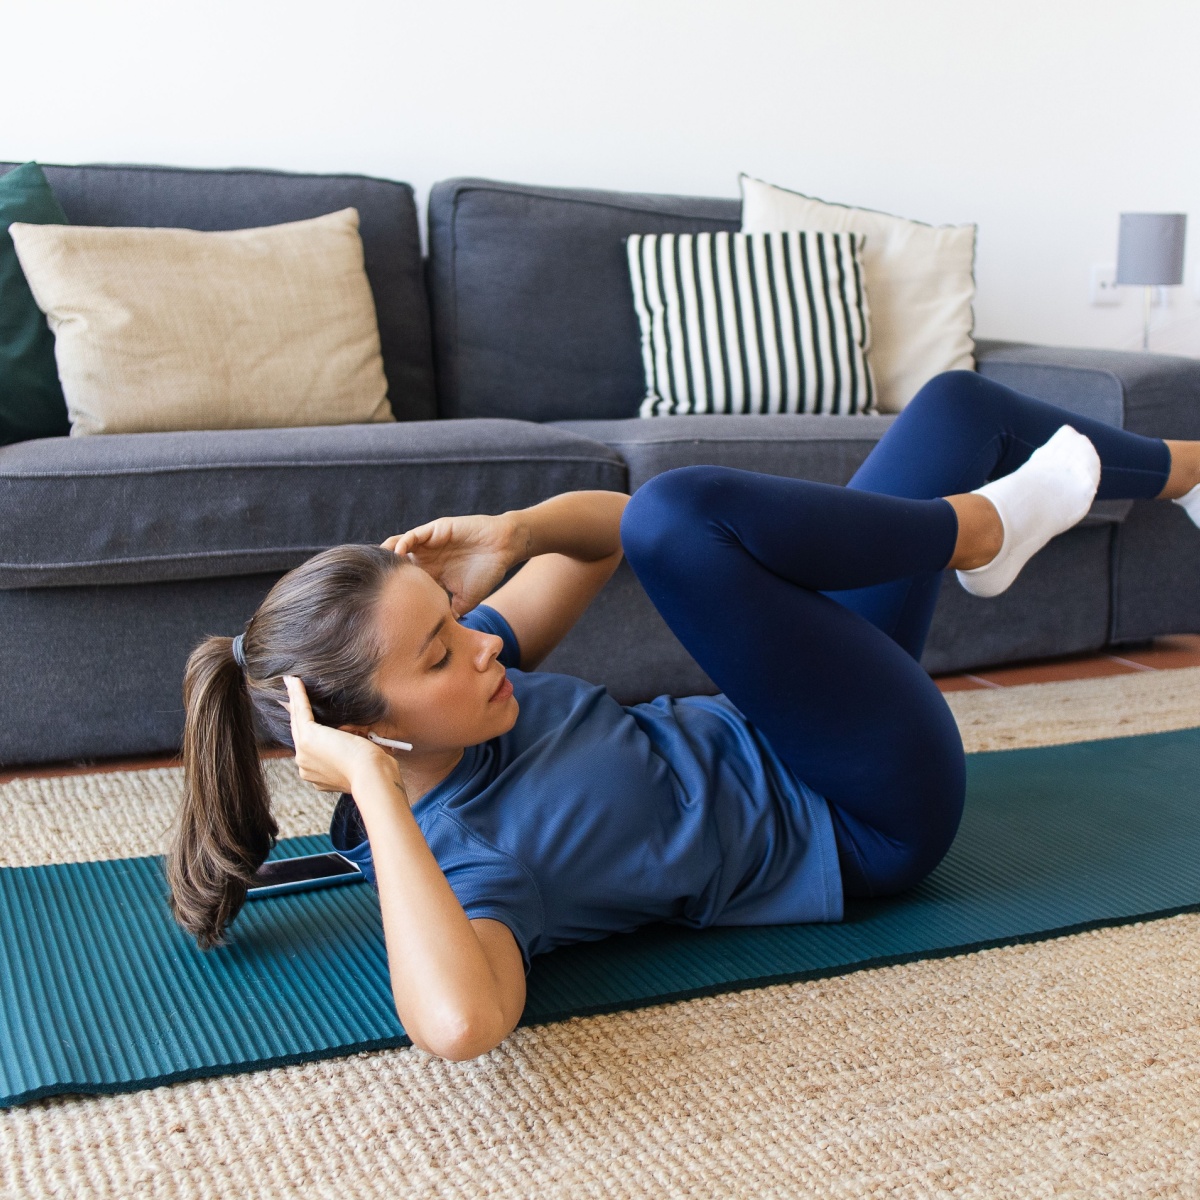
x: 733, y: 561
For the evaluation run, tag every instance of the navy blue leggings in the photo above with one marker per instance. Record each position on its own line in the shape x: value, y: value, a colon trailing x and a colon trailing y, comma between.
x: 808, y: 605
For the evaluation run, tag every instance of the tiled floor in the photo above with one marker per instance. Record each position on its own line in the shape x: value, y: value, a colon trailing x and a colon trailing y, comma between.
x: 1160, y: 655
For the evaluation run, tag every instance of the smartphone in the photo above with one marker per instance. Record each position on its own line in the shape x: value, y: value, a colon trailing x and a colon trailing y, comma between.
x: 283, y: 875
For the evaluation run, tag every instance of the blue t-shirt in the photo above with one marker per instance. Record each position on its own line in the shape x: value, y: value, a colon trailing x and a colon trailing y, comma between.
x: 589, y: 818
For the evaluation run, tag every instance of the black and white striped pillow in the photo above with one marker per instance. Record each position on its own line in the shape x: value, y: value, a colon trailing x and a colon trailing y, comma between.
x: 752, y: 323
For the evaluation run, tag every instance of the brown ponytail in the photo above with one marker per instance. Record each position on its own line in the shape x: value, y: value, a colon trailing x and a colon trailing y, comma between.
x: 225, y: 830
x: 318, y: 623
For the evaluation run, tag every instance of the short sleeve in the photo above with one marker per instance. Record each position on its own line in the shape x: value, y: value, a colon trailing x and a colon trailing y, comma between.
x: 485, y: 619
x: 487, y: 881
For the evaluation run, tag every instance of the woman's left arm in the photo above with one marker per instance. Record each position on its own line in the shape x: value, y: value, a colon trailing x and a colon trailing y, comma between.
x: 570, y: 545
x: 458, y: 983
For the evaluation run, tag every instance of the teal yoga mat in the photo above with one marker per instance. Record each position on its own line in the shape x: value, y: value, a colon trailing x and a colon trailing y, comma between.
x: 99, y: 992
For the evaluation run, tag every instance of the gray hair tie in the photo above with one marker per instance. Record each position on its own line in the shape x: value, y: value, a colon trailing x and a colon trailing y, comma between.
x: 239, y: 652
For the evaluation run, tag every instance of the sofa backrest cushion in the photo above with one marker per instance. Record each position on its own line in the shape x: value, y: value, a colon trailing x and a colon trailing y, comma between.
x: 532, y: 304
x: 242, y: 199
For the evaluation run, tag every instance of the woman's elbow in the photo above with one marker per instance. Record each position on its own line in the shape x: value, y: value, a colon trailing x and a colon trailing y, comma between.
x: 460, y: 1036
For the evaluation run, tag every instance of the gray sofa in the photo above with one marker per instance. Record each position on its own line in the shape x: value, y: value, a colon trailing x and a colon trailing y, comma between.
x: 514, y: 371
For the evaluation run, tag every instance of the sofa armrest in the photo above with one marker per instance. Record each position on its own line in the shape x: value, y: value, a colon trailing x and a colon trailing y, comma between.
x: 1153, y: 394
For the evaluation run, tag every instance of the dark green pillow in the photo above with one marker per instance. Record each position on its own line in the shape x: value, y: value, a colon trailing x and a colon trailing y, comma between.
x: 31, y: 399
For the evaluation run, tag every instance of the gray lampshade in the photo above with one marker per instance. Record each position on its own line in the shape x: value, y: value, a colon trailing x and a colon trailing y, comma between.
x: 1150, y: 248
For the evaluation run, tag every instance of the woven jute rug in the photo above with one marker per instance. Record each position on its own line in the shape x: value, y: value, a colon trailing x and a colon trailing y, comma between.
x: 1062, y: 1068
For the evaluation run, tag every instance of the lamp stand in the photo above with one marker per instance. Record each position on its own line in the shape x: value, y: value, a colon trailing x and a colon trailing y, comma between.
x: 1146, y: 319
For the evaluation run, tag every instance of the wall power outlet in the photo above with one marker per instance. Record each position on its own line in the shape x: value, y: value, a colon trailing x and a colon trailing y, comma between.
x: 1104, y: 288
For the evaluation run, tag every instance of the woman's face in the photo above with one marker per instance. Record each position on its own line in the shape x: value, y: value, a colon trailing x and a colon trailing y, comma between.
x: 442, y: 682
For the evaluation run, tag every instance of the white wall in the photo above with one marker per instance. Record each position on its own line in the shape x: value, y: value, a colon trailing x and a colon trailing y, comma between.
x: 1038, y: 119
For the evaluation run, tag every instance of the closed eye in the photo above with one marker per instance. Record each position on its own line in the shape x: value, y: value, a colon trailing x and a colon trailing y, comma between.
x: 441, y: 662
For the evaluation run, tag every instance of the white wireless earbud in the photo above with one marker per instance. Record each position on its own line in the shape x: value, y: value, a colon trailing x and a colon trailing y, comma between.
x: 382, y: 741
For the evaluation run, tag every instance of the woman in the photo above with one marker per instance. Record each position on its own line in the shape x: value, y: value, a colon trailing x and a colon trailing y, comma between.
x: 532, y: 809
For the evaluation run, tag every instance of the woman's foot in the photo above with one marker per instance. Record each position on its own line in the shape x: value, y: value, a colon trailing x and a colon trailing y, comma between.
x: 1044, y: 497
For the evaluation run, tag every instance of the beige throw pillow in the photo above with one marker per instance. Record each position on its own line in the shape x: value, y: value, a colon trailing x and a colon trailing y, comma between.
x: 170, y: 329
x: 920, y: 283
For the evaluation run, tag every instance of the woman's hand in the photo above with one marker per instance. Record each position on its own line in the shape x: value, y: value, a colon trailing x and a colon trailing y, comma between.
x: 331, y: 759
x: 468, y: 556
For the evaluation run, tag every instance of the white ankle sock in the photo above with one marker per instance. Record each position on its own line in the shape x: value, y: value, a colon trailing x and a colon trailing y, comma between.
x: 1048, y: 494
x: 1190, y: 503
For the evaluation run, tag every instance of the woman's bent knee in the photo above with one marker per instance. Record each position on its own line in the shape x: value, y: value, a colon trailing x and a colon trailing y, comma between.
x: 953, y: 392
x: 665, y: 509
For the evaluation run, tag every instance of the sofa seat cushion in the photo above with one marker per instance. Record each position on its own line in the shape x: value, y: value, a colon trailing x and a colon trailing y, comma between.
x: 159, y: 506
x: 826, y: 449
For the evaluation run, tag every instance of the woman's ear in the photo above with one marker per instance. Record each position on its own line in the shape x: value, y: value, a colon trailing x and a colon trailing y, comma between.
x: 357, y: 730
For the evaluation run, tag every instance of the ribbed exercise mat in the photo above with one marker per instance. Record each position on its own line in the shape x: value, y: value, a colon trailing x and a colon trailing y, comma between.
x: 99, y: 992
